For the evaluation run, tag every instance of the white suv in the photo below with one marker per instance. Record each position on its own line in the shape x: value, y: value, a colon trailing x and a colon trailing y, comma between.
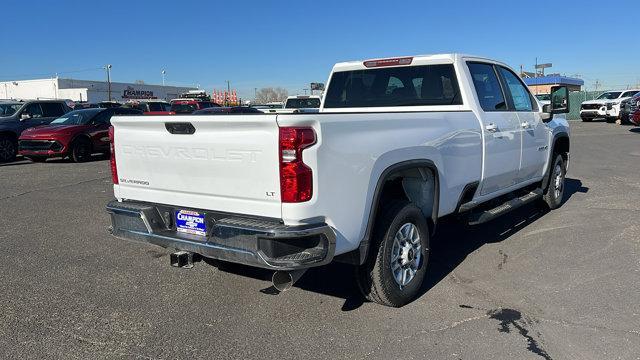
x: 606, y: 106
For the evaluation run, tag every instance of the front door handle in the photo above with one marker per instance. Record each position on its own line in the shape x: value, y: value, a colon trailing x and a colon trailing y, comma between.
x: 491, y: 127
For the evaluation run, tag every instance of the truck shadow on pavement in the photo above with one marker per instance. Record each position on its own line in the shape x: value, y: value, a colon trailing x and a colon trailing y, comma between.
x: 450, y: 246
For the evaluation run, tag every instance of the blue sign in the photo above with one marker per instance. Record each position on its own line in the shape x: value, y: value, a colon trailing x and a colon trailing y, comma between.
x: 190, y: 222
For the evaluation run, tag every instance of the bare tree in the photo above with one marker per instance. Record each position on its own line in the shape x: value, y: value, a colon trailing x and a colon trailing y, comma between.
x: 269, y: 94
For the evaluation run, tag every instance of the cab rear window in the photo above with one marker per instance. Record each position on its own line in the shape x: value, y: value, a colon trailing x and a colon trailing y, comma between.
x: 395, y: 86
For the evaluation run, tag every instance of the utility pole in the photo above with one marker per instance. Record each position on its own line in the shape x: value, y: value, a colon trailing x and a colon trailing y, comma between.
x: 226, y: 98
x: 108, y: 67
x: 163, y: 73
x: 255, y: 94
x: 597, y: 84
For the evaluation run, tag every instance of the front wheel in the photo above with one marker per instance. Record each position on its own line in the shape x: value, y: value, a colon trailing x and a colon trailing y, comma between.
x: 397, y: 262
x: 554, y: 193
x: 8, y: 149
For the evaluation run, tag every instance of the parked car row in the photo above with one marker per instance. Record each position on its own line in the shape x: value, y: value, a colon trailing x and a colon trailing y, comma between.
x: 611, y: 106
x: 17, y: 116
x: 77, y: 135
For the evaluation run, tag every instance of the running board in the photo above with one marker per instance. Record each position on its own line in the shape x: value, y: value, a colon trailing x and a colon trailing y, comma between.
x: 480, y: 217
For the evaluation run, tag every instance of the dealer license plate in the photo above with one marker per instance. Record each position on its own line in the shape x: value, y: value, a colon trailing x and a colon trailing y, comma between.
x: 190, y: 222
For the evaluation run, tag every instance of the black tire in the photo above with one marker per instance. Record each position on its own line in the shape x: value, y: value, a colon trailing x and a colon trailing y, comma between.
x: 8, y: 148
x: 375, y: 277
x: 586, y: 119
x: 552, y: 197
x: 81, y: 150
x: 610, y: 120
x: 37, y: 158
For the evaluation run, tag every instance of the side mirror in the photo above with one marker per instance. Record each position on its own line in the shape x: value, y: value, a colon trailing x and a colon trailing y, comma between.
x: 25, y: 116
x: 559, y: 100
x: 546, y: 115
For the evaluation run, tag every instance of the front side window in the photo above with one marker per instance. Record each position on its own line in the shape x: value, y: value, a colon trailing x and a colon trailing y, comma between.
x: 487, y: 87
x: 519, y: 93
x: 394, y: 86
x: 629, y: 93
x: 52, y: 109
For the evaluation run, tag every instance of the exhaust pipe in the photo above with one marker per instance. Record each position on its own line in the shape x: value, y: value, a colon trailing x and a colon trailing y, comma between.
x: 284, y: 280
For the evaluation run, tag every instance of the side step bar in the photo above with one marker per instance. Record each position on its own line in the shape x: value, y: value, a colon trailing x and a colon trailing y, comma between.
x: 480, y: 217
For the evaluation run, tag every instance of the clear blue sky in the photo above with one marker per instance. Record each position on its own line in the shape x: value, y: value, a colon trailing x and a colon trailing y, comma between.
x: 291, y: 43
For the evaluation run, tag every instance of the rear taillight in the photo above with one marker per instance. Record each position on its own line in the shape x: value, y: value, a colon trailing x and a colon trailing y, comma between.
x: 112, y: 160
x: 296, y: 178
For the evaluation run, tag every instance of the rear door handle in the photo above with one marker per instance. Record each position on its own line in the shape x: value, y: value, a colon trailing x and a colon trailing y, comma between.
x: 491, y: 127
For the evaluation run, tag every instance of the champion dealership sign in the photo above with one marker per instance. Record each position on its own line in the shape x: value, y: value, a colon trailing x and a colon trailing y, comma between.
x: 131, y: 93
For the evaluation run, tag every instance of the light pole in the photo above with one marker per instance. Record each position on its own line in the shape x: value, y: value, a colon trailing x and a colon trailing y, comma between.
x: 226, y: 98
x: 108, y: 67
x: 163, y: 73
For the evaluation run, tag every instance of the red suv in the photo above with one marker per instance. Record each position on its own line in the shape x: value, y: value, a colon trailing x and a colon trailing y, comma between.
x: 76, y: 134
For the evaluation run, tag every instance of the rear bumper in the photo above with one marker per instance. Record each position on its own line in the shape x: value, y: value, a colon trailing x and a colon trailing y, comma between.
x: 264, y: 243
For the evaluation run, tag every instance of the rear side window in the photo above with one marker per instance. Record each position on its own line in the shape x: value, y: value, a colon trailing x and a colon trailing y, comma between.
x: 52, y: 109
x: 396, y: 86
x: 519, y: 93
x: 487, y: 87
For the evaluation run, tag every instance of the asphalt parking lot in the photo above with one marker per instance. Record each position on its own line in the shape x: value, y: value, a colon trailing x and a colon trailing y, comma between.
x: 556, y: 285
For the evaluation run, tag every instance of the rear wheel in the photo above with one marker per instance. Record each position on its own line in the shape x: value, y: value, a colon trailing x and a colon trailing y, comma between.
x: 397, y: 262
x: 554, y: 193
x: 8, y: 148
x: 81, y: 150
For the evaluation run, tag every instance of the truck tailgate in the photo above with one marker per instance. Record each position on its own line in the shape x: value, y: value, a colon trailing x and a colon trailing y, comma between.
x: 229, y: 163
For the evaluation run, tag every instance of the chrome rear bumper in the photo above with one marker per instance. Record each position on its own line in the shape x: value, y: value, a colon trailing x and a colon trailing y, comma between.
x: 265, y: 243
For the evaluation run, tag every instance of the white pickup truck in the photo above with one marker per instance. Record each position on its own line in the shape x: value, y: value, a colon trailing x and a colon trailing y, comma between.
x: 606, y: 106
x: 397, y: 144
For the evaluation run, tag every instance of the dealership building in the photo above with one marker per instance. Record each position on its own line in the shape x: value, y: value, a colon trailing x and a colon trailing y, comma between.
x: 86, y: 90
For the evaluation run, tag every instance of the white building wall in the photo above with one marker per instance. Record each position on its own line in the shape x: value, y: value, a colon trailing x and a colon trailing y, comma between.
x: 29, y: 89
x: 85, y: 90
x: 79, y: 94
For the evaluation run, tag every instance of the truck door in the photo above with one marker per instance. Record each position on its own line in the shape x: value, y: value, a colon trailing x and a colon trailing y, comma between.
x: 500, y: 127
x: 532, y: 130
